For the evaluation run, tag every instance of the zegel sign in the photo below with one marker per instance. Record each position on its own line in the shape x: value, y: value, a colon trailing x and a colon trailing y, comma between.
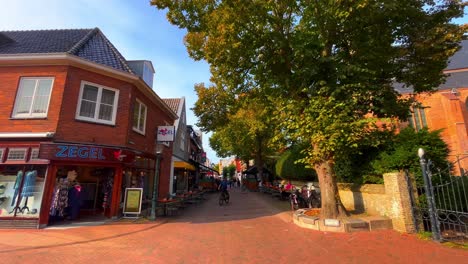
x: 53, y: 151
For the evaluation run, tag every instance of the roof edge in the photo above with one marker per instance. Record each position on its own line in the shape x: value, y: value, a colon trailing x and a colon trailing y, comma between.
x: 58, y: 58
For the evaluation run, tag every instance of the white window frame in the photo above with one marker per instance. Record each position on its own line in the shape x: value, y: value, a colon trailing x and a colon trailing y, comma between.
x: 25, y: 150
x: 96, y: 111
x: 135, y: 126
x: 18, y: 99
x: 2, y: 153
x: 32, y: 151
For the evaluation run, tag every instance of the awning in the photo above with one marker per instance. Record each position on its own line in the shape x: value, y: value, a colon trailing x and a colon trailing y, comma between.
x: 183, y: 164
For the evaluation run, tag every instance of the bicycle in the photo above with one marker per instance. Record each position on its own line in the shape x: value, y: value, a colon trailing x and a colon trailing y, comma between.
x: 223, y: 198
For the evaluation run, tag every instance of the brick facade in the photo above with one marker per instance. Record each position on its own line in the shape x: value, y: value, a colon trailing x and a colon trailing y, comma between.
x: 448, y: 110
x: 61, y: 121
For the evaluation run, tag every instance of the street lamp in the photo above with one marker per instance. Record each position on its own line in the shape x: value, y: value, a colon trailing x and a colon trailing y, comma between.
x: 154, y: 200
x: 429, y: 196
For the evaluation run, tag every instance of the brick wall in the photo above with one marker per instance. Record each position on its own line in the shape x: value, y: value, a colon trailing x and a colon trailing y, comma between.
x: 63, y: 106
x: 70, y: 129
x: 9, y: 82
x: 448, y: 111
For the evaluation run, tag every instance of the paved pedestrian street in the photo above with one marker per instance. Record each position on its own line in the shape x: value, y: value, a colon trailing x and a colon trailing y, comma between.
x: 254, y: 228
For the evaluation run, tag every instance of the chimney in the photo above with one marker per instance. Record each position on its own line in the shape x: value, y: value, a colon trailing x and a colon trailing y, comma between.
x: 144, y: 69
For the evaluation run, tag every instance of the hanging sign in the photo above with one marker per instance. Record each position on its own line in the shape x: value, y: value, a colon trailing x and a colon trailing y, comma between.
x: 166, y: 133
x: 132, y: 202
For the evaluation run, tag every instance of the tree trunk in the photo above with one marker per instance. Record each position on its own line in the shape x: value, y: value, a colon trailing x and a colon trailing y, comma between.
x: 331, y: 202
x: 259, y: 159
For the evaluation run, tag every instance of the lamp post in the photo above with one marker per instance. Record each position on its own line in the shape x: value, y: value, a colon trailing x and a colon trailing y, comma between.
x: 429, y: 196
x: 154, y: 200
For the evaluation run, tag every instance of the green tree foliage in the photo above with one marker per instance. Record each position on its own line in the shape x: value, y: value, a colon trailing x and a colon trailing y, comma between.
x: 240, y: 125
x: 322, y: 66
x: 229, y: 171
x: 287, y: 168
x: 396, y: 152
x: 401, y: 153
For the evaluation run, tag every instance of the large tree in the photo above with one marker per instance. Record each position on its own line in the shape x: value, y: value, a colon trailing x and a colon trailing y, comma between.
x: 240, y: 124
x: 326, y: 65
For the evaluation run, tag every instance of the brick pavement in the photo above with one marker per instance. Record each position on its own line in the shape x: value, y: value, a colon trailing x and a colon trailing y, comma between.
x: 254, y: 228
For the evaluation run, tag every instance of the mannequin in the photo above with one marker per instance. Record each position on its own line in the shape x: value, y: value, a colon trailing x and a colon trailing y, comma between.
x: 28, y: 188
x: 19, y: 178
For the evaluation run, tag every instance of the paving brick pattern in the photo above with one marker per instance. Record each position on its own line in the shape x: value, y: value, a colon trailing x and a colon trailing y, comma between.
x: 254, y: 228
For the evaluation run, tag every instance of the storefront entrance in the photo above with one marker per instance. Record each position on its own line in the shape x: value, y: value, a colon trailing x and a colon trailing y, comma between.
x: 81, y: 193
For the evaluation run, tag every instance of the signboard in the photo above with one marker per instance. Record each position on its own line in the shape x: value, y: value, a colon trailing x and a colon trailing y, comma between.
x: 166, y: 133
x: 132, y: 202
x: 89, y: 153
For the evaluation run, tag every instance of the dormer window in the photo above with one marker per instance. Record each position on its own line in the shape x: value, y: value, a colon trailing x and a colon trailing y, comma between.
x: 32, y: 99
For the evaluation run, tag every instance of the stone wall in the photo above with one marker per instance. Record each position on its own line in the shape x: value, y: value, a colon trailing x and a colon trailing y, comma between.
x: 368, y: 198
x: 390, y: 199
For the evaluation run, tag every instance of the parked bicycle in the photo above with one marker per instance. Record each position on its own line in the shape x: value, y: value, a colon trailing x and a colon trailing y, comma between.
x: 304, y: 198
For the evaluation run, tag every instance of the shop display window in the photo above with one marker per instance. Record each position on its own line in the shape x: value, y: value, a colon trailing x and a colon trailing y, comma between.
x: 21, y: 190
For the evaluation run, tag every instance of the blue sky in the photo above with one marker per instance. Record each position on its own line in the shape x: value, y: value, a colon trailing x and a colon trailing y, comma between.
x: 138, y: 30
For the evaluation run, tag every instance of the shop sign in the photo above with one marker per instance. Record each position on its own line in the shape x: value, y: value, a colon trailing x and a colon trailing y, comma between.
x: 166, y: 133
x: 53, y: 151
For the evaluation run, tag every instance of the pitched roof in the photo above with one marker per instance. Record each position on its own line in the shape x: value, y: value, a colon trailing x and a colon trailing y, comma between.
x: 173, y: 103
x: 459, y: 60
x: 89, y: 44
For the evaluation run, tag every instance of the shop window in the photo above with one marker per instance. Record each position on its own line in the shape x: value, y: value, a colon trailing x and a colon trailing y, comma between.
x: 1, y: 154
x: 417, y: 118
x: 16, y: 154
x: 139, y: 117
x: 32, y: 99
x: 97, y: 103
x: 21, y: 190
x: 35, y: 154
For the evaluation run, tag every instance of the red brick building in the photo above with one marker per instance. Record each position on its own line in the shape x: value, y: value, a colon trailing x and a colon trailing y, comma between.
x: 78, y: 125
x: 447, y: 108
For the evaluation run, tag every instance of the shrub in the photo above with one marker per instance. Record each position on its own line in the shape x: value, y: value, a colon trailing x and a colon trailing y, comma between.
x: 287, y: 167
x: 401, y: 153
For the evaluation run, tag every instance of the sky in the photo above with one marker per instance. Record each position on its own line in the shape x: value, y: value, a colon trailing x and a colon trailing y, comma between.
x: 139, y: 31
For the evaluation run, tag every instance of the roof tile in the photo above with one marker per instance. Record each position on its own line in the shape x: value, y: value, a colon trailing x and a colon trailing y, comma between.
x: 89, y: 44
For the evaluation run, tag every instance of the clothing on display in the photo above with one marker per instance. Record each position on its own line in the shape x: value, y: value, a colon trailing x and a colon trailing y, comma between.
x: 29, y: 184
x: 107, y: 191
x: 60, y: 198
x: 67, y: 197
x: 16, y: 187
x: 74, y: 201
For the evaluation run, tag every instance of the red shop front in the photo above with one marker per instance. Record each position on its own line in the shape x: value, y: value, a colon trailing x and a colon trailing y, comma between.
x: 44, y: 183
